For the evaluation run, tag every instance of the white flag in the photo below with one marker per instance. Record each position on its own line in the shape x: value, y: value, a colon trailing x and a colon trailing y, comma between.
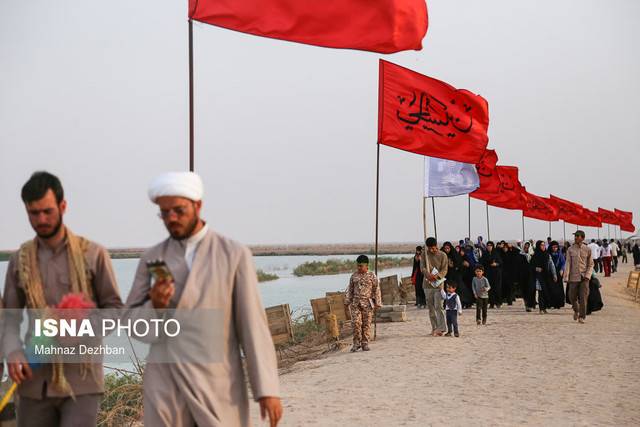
x: 443, y: 178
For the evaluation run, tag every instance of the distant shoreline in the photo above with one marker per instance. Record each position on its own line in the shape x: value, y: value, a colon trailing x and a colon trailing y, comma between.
x: 283, y: 250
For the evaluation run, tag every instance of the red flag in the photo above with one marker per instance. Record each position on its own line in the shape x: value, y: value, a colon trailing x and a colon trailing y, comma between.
x: 489, y: 181
x: 510, y: 194
x: 426, y: 116
x: 608, y: 217
x: 624, y: 216
x: 626, y: 220
x: 384, y: 26
x: 629, y: 227
x: 539, y: 207
x: 590, y: 218
x: 567, y: 211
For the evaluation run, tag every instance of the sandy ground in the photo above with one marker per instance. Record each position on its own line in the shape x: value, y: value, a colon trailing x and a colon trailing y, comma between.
x: 520, y: 369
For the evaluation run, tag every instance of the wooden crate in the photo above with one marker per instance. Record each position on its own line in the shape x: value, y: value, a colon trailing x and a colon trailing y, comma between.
x: 279, y: 318
x: 389, y: 290
x: 407, y: 291
x: 320, y: 307
x: 634, y: 277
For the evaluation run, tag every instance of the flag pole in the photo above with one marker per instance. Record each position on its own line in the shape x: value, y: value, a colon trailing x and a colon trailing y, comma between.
x: 435, y: 227
x: 549, y: 228
x: 609, y: 231
x: 377, y: 206
x: 488, y: 230
x: 191, y: 133
x: 564, y: 230
x: 424, y: 217
x: 523, y: 228
x: 469, y: 216
x: 599, y: 232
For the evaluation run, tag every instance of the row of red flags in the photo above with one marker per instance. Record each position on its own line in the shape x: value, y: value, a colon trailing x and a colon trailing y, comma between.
x: 416, y: 113
x: 429, y: 117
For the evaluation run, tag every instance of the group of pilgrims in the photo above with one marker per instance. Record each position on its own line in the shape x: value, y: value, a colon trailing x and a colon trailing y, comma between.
x: 527, y: 270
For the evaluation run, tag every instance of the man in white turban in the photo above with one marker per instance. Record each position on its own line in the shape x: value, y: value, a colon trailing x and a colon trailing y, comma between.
x: 208, y: 271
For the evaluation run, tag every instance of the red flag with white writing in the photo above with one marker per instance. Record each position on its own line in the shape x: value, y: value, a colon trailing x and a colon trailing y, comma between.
x: 567, y: 211
x: 489, y: 181
x: 384, y: 26
x: 426, y: 116
x: 510, y: 193
x: 539, y: 207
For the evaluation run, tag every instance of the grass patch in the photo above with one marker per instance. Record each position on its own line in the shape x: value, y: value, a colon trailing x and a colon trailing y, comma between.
x: 337, y: 266
x: 265, y: 277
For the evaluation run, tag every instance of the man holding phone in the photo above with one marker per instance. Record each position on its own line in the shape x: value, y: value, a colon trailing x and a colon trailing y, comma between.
x: 56, y: 262
x: 204, y: 270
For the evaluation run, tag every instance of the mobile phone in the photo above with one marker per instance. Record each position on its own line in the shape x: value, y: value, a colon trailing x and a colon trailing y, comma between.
x: 159, y: 270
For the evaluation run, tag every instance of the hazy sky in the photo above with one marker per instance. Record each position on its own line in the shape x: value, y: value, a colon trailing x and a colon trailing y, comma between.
x: 96, y: 92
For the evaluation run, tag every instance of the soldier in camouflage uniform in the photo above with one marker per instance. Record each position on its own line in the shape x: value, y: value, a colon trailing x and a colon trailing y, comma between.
x: 362, y: 297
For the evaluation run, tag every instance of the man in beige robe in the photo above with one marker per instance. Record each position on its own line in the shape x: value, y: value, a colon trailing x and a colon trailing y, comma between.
x: 209, y: 271
x: 65, y: 394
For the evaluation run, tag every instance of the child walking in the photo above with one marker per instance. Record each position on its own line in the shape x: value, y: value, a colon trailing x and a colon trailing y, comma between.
x: 481, y: 287
x: 453, y: 307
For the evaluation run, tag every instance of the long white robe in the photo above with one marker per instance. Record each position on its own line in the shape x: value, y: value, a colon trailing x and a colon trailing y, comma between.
x: 215, y: 394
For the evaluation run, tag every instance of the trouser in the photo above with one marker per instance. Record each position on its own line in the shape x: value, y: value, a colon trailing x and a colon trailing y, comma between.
x: 579, y: 295
x: 436, y: 312
x: 59, y: 411
x: 452, y: 321
x: 361, y: 316
x: 542, y: 302
x: 420, y: 297
x: 606, y: 262
x: 597, y: 265
x: 615, y: 263
x: 481, y: 307
x: 624, y: 258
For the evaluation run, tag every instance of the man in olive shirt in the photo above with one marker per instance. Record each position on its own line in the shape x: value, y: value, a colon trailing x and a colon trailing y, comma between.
x: 577, y: 273
x: 433, y: 284
x: 45, y: 269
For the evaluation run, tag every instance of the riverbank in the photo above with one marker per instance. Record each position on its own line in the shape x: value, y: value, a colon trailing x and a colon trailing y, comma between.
x: 520, y: 369
x: 300, y: 249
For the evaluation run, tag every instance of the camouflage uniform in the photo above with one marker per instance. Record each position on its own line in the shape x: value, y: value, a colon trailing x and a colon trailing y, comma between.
x: 362, y: 288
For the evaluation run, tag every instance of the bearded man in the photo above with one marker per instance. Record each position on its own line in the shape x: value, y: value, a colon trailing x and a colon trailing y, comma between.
x: 56, y: 262
x: 207, y: 271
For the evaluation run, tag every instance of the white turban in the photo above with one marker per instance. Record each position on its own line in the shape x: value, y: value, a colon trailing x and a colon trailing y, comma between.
x: 177, y: 184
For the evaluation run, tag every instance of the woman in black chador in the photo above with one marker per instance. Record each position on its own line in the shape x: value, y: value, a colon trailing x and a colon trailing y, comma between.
x: 492, y: 263
x: 509, y: 271
x: 416, y: 278
x: 543, y: 274
x: 454, y: 274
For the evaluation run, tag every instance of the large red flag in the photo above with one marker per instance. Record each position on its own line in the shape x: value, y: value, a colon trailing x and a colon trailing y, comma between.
x: 510, y: 194
x: 427, y: 116
x: 539, y: 207
x: 567, y: 211
x: 590, y: 218
x: 384, y: 26
x: 608, y: 217
x: 489, y: 181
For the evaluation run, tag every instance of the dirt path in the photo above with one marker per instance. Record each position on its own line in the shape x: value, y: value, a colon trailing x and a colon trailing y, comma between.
x: 520, y: 369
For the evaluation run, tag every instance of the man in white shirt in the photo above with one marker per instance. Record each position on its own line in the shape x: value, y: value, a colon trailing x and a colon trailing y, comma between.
x: 595, y: 255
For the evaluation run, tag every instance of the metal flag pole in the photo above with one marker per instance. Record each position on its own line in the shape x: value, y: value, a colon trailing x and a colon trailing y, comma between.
x: 469, y: 216
x: 549, y: 228
x: 191, y: 133
x: 523, y: 228
x: 564, y: 230
x: 424, y: 217
x: 609, y: 231
x: 488, y: 230
x: 599, y: 232
x: 377, y: 206
x: 435, y: 227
